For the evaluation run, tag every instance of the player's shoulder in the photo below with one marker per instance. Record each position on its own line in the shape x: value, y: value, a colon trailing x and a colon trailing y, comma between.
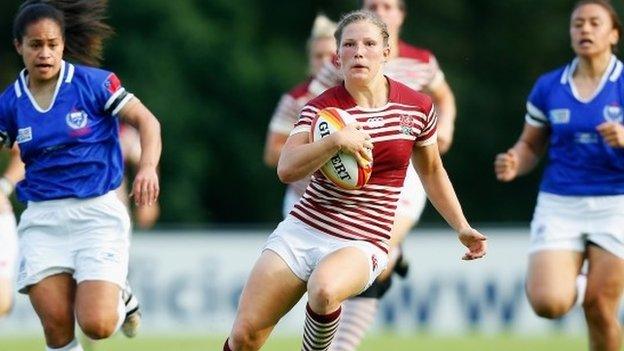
x: 90, y: 74
x: 414, y: 52
x: 404, y: 95
x: 300, y: 89
x: 10, y: 93
x: 554, y: 77
x: 333, y: 97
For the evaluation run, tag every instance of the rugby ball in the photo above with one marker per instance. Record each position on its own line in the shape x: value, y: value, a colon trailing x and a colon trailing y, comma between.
x: 342, y: 169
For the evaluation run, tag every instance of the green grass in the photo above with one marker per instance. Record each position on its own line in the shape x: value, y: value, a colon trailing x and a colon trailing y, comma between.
x: 374, y: 343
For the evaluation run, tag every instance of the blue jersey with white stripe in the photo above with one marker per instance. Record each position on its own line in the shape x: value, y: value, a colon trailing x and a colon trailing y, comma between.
x: 71, y: 149
x: 580, y: 163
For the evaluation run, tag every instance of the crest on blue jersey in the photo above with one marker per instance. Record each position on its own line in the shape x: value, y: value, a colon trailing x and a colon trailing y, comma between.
x: 77, y: 119
x: 560, y: 116
x: 613, y: 113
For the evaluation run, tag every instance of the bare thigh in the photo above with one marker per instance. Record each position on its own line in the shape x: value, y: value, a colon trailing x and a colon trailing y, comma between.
x: 97, y: 300
x: 339, y: 275
x: 272, y: 289
x: 6, y: 295
x: 53, y: 301
x: 551, y: 279
x: 605, y: 278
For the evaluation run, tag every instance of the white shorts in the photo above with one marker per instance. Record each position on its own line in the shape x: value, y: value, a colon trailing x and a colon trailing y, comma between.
x: 8, y: 245
x: 88, y: 238
x: 569, y: 222
x: 303, y: 247
x: 413, y: 197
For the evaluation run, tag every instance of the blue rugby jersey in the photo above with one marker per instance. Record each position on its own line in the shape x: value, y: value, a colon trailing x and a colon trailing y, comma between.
x: 71, y: 149
x: 580, y: 163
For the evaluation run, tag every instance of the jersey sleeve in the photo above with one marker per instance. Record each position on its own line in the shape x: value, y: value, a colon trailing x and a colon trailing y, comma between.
x: 7, y: 122
x: 304, y: 124
x: 285, y: 115
x: 110, y: 93
x: 429, y: 133
x: 435, y: 73
x: 536, y: 107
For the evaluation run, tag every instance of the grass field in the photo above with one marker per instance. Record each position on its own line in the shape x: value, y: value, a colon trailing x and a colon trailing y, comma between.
x: 374, y: 343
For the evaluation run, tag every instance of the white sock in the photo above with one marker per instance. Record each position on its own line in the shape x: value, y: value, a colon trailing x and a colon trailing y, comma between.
x: 358, y: 314
x: 121, y: 311
x: 581, y: 286
x: 72, y: 346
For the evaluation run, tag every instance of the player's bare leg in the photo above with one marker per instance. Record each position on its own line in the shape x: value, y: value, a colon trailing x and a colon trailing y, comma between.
x: 605, y: 284
x: 358, y: 313
x: 551, y: 281
x: 98, y: 308
x: 272, y: 289
x: 53, y: 301
x: 338, y: 276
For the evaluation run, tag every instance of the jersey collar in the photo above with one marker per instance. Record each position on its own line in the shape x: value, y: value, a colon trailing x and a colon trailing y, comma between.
x: 612, y: 73
x: 65, y: 75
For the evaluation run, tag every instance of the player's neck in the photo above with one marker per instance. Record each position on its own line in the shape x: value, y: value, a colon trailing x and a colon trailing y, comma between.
x: 372, y: 95
x: 592, y: 68
x: 42, y: 86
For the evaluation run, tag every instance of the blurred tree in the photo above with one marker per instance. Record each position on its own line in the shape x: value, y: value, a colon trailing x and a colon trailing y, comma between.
x: 213, y: 70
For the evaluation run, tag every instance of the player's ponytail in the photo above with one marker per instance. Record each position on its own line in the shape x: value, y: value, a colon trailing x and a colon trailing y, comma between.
x: 81, y: 22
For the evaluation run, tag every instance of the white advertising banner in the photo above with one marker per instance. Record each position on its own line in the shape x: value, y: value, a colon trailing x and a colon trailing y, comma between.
x: 189, y: 282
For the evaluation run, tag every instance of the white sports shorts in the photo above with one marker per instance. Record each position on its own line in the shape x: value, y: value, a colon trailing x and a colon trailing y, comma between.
x: 88, y: 238
x: 8, y: 245
x: 569, y: 222
x: 413, y: 197
x: 303, y: 247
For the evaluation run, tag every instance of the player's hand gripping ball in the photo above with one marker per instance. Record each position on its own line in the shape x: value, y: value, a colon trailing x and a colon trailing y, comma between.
x: 343, y: 169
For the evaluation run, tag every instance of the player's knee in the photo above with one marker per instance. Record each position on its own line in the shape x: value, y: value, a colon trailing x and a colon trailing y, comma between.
x: 58, y: 329
x: 244, y: 337
x: 599, y: 308
x: 98, y: 325
x: 5, y: 307
x: 549, y: 308
x: 322, y: 298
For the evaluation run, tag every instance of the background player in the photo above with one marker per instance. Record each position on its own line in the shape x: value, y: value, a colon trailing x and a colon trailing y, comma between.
x: 576, y: 113
x: 74, y: 234
x: 8, y: 231
x: 321, y: 48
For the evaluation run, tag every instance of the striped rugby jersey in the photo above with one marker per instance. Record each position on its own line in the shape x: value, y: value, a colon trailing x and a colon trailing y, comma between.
x: 286, y: 115
x: 407, y: 120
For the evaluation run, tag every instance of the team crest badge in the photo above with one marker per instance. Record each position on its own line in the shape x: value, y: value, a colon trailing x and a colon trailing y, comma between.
x: 77, y: 119
x: 613, y: 113
x: 406, y: 122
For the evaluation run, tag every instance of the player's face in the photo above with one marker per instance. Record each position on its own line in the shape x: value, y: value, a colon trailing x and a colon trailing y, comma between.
x: 41, y: 49
x: 592, y: 31
x: 321, y: 51
x: 389, y: 11
x: 361, y: 52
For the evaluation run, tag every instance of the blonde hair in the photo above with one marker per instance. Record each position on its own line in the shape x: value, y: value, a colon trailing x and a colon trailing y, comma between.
x: 322, y: 28
x: 359, y: 16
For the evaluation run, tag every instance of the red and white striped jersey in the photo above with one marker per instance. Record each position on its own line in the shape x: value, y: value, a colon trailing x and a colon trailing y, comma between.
x: 407, y: 120
x: 286, y: 115
x: 415, y: 67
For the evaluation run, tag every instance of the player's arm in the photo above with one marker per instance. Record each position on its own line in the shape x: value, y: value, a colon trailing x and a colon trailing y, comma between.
x: 300, y: 158
x: 273, y: 147
x: 428, y: 165
x: 13, y: 174
x: 524, y: 155
x: 443, y: 98
x: 145, y: 188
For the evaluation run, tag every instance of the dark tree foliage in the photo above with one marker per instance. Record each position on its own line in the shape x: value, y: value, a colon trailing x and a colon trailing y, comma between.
x: 213, y: 70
